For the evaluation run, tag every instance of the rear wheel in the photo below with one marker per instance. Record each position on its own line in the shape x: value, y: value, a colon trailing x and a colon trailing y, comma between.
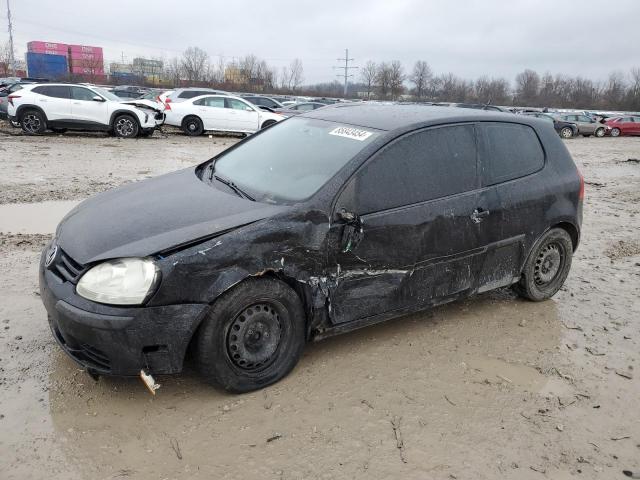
x: 566, y: 132
x: 125, y: 126
x: 252, y: 336
x: 192, y: 126
x: 32, y: 122
x: 547, y: 266
x: 600, y: 132
x: 615, y: 132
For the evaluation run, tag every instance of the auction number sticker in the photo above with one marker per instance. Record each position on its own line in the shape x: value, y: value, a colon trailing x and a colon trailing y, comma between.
x: 352, y: 133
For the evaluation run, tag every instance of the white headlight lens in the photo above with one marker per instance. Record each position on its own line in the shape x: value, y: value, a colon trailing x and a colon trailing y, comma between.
x: 125, y: 281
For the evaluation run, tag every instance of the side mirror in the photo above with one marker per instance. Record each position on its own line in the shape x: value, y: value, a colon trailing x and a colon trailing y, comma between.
x: 98, y: 98
x: 248, y: 109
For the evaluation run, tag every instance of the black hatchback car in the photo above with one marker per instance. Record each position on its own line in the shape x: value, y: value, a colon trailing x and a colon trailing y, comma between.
x: 327, y: 222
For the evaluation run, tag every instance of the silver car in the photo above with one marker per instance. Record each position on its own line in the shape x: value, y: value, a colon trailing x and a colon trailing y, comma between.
x: 587, y: 126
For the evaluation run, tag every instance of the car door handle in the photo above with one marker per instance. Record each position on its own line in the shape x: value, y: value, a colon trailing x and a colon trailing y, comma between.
x: 478, y: 214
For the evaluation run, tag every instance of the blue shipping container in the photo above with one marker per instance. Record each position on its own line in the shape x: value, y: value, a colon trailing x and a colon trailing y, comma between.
x: 43, y: 65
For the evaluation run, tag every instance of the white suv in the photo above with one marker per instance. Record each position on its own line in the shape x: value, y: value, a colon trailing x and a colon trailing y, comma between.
x: 59, y: 107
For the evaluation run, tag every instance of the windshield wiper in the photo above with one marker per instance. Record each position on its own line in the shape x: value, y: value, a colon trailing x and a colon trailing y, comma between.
x: 233, y: 187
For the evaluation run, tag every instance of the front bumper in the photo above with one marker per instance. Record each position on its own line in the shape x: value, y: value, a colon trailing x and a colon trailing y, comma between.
x: 111, y: 340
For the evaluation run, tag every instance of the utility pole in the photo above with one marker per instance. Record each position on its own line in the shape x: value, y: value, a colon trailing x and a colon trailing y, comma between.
x: 346, y: 68
x: 12, y: 62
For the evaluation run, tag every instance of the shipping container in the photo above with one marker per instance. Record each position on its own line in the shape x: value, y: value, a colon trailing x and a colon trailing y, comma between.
x: 74, y: 49
x: 42, y: 65
x: 87, y: 70
x: 51, y: 48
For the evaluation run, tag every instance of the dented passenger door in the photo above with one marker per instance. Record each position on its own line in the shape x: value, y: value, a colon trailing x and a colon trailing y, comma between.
x: 403, y: 227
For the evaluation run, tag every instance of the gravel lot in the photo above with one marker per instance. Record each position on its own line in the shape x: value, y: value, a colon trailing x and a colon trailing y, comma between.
x: 492, y: 387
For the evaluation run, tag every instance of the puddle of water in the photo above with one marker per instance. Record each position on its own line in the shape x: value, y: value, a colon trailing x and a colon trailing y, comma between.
x: 40, y: 217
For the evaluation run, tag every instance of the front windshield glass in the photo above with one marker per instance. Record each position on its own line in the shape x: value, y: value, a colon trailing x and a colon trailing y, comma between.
x: 108, y: 95
x: 292, y: 160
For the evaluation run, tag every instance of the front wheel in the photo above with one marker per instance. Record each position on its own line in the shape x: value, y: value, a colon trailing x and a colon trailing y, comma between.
x: 600, y: 132
x: 547, y: 267
x: 192, y: 126
x: 566, y: 132
x: 615, y: 132
x: 32, y: 122
x: 125, y: 126
x: 252, y: 336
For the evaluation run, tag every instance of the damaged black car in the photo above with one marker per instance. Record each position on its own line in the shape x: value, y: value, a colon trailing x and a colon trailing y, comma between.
x: 329, y: 221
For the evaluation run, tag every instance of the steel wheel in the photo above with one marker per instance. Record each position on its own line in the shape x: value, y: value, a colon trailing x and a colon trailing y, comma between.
x: 192, y: 126
x: 548, y: 264
x: 566, y: 132
x: 254, y: 336
x: 615, y: 132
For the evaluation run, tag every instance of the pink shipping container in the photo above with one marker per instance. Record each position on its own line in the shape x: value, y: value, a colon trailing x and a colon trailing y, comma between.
x: 73, y: 49
x: 78, y: 57
x: 59, y: 47
x: 87, y: 71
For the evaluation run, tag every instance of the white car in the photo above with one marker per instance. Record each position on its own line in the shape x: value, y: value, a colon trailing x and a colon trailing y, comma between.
x: 222, y: 113
x: 59, y: 107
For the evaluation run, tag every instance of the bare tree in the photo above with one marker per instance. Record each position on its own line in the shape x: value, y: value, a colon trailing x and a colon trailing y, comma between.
x: 614, y: 92
x: 295, y: 74
x: 368, y: 75
x: 527, y: 88
x: 397, y: 78
x: 420, y: 77
x: 383, y: 80
x: 5, y: 59
x: 195, y: 62
x: 173, y: 71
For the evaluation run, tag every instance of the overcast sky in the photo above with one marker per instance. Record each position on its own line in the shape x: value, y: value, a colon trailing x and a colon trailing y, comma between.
x: 470, y: 38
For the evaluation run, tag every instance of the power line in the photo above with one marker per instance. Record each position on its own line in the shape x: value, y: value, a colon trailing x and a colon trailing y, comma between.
x: 346, y: 68
x: 12, y: 64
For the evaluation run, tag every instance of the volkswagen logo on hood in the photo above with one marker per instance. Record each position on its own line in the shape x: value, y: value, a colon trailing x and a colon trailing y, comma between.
x: 51, y: 255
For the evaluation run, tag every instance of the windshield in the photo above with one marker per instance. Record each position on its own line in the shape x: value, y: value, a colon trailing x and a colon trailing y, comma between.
x: 292, y: 160
x: 108, y: 95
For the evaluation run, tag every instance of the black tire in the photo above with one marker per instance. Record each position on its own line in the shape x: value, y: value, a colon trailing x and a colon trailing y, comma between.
x: 600, y: 132
x: 192, y: 126
x: 566, y: 132
x: 547, y: 267
x: 33, y: 122
x: 125, y: 126
x: 236, y: 345
x: 615, y: 132
x: 268, y: 123
x: 58, y: 130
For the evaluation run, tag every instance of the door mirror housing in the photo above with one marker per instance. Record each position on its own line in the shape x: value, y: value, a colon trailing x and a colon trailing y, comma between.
x: 98, y: 98
x: 352, y: 232
x: 248, y: 109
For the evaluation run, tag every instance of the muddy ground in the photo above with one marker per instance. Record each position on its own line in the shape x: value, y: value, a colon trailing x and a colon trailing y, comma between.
x: 492, y: 387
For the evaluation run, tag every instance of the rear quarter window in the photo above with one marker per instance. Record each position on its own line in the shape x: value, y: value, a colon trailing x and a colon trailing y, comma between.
x: 510, y: 151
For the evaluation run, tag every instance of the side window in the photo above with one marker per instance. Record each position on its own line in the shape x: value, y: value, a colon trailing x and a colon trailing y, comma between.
x: 418, y: 167
x: 236, y: 104
x: 55, y: 91
x: 305, y: 107
x: 584, y: 118
x: 80, y: 93
x: 510, y: 151
x: 191, y: 94
x: 214, y: 102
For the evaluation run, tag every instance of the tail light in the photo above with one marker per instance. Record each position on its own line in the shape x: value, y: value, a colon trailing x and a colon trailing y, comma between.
x: 167, y: 101
x: 581, y: 191
x: 11, y: 97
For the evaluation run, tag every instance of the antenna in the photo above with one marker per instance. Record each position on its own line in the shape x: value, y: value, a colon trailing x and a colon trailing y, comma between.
x: 12, y: 64
x: 346, y: 68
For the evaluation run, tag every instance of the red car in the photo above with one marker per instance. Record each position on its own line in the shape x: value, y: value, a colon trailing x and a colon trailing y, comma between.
x: 624, y: 126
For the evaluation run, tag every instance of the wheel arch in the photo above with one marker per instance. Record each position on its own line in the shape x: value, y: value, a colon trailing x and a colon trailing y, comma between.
x: 571, y: 229
x: 188, y: 116
x: 119, y: 112
x: 29, y: 106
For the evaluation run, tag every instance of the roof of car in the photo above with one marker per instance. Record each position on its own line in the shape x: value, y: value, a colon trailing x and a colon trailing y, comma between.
x: 394, y: 116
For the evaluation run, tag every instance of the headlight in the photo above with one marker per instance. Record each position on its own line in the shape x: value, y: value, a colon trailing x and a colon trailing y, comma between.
x: 125, y: 281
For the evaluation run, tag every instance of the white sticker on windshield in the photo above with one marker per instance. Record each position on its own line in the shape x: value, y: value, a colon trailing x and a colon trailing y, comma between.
x: 350, y: 132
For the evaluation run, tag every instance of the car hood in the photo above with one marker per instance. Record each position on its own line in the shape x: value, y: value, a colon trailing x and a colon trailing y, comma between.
x: 150, y: 216
x: 150, y: 104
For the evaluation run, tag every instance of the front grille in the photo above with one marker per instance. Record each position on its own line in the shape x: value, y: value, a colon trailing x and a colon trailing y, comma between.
x: 66, y: 268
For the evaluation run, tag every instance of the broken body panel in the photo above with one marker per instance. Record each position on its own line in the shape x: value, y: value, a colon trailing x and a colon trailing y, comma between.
x: 350, y: 268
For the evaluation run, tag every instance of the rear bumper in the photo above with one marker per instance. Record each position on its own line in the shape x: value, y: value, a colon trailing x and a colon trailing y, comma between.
x: 115, y: 340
